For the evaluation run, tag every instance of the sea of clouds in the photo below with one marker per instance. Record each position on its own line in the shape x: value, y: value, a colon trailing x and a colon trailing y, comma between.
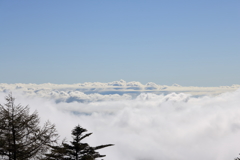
x: 143, y: 125
x: 112, y: 91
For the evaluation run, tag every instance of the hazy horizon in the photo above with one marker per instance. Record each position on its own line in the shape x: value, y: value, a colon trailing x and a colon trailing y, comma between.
x: 109, y: 82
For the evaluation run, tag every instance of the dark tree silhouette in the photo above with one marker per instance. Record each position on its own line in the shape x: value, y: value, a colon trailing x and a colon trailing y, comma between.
x: 21, y: 137
x: 58, y: 152
x: 76, y: 150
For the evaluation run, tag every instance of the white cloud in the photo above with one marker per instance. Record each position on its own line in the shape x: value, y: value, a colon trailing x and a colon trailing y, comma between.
x: 149, y: 127
x: 118, y: 83
x: 151, y: 86
x: 96, y: 91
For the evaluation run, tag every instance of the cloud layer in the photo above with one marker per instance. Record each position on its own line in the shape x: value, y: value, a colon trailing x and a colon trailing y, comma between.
x: 150, y: 126
x: 112, y: 91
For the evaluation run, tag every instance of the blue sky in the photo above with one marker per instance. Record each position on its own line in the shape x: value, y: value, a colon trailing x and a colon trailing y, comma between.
x: 185, y: 42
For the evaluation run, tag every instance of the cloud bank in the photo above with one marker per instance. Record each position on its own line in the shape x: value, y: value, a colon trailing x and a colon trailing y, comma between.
x: 112, y: 91
x: 146, y: 127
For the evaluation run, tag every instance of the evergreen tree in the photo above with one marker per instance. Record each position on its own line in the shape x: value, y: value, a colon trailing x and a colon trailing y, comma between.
x: 21, y: 137
x: 57, y: 153
x: 76, y: 150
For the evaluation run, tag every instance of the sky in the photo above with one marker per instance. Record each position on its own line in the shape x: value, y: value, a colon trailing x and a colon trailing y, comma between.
x: 191, y: 43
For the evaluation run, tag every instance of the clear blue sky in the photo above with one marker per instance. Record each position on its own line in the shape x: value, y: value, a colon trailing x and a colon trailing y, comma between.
x: 181, y: 41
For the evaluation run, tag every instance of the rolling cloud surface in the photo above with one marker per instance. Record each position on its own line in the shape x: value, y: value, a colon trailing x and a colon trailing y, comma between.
x: 148, y: 126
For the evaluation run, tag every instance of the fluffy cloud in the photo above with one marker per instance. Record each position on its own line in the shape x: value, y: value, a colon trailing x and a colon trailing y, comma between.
x: 150, y: 126
x: 96, y: 91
